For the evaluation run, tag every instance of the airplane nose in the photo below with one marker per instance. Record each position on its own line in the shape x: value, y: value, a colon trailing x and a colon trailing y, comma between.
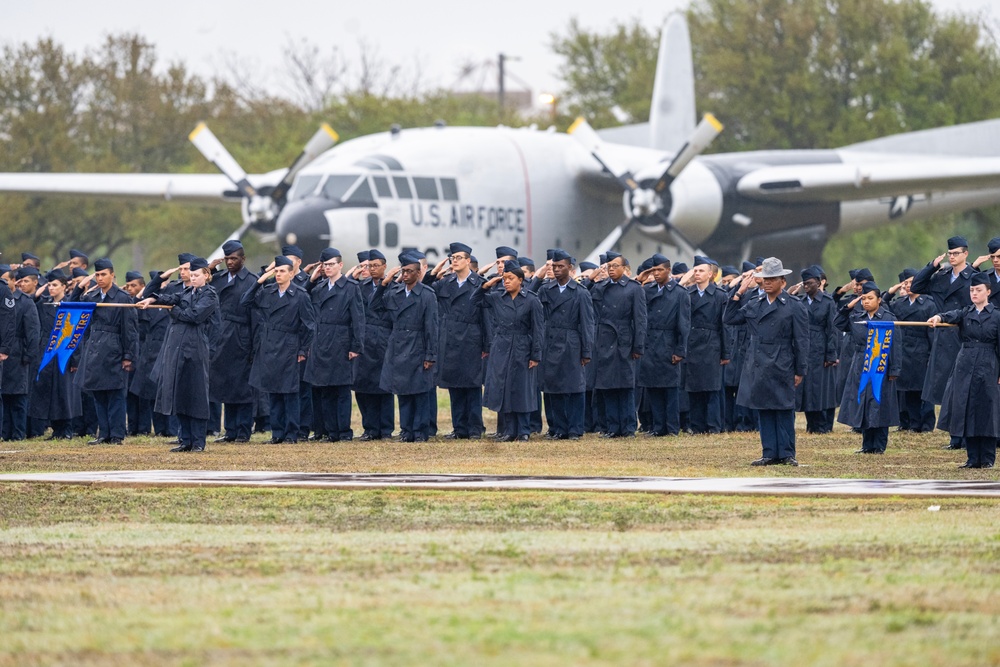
x: 303, y: 223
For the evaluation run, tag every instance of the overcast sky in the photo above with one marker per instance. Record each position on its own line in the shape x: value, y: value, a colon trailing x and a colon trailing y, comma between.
x: 439, y: 35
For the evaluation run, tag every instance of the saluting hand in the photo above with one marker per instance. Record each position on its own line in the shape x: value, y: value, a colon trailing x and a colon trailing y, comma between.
x: 939, y: 259
x: 981, y: 259
x: 215, y: 263
x: 492, y: 281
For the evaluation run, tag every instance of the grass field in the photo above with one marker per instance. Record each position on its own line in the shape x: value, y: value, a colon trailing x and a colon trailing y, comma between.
x: 159, y: 576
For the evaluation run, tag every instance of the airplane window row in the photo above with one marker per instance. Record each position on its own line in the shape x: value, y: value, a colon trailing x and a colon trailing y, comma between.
x: 355, y: 188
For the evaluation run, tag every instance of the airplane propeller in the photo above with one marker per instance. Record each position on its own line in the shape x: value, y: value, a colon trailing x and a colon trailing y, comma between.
x: 260, y: 207
x: 647, y: 202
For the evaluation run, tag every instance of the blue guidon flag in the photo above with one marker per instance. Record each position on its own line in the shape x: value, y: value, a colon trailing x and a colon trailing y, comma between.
x: 72, y: 320
x: 876, y: 357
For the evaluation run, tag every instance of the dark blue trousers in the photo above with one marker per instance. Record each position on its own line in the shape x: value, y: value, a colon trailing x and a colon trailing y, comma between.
x: 110, y: 406
x: 517, y: 423
x: 139, y: 413
x: 305, y: 416
x: 239, y: 420
x: 413, y: 417
x: 334, y: 403
x: 192, y: 432
x: 915, y: 414
x: 15, y: 416
x: 665, y: 402
x: 535, y: 417
x: 981, y: 451
x: 37, y: 427
x: 817, y: 422
x: 214, y: 418
x: 377, y: 414
x: 285, y: 416
x: 162, y: 426
x: 431, y: 408
x: 86, y: 423
x: 566, y: 416
x: 467, y: 411
x: 875, y: 439
x: 777, y: 433
x: 706, y: 412
x: 619, y: 410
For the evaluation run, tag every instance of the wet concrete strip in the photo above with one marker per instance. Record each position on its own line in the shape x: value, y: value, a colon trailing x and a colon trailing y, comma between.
x: 704, y: 485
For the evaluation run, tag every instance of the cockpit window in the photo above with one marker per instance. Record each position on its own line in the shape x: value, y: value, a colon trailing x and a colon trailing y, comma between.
x: 426, y: 188
x: 382, y: 187
x: 361, y: 195
x: 402, y: 187
x: 303, y: 187
x: 449, y: 189
x: 338, y: 184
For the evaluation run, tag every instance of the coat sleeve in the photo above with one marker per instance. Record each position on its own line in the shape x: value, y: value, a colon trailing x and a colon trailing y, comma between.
x: 201, y: 309
x: 249, y: 297
x: 431, y: 327
x: 8, y: 324
x: 307, y: 325
x: 832, y: 352
x: 537, y: 328
x: 357, y: 321
x: 724, y: 347
x: 922, y: 281
x: 733, y: 314
x: 952, y: 316
x: 638, y: 319
x: 130, y: 334
x: 843, y: 319
x: 895, y: 352
x: 32, y: 334
x: 683, y: 323
x: 800, y: 337
x: 587, y: 323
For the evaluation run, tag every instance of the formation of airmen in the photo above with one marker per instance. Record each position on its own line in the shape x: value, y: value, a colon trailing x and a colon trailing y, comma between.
x: 659, y: 350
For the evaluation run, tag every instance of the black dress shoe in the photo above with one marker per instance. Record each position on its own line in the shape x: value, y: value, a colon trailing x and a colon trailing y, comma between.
x: 175, y: 441
x: 241, y: 439
x: 523, y: 438
x: 764, y: 461
x: 97, y: 441
x: 182, y: 448
x: 504, y: 438
x: 788, y: 461
x: 986, y: 465
x: 572, y: 437
x: 455, y: 436
x: 951, y: 446
x: 225, y: 438
x: 115, y: 441
x: 199, y: 448
x: 277, y: 441
x: 366, y: 437
x: 419, y: 438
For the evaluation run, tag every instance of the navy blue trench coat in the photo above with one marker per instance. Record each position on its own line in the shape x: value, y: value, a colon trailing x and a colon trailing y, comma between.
x: 818, y: 390
x: 518, y: 332
x: 971, y: 405
x: 462, y: 334
x: 915, y: 341
x: 945, y: 343
x: 52, y: 395
x: 181, y: 371
x: 112, y: 337
x: 620, y: 311
x: 569, y: 337
x: 340, y: 330
x: 668, y: 323
x: 414, y: 339
x: 378, y: 326
x: 229, y: 380
x: 21, y: 366
x: 286, y: 329
x: 707, y: 344
x: 869, y: 413
x: 778, y: 351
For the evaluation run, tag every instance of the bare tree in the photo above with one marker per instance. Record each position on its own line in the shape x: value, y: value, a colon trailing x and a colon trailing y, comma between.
x: 313, y: 79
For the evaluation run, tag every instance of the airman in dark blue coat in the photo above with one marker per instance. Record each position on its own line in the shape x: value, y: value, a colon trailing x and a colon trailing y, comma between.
x: 817, y: 394
x: 871, y: 414
x: 515, y: 351
x: 53, y: 398
x: 182, y: 369
x: 376, y: 405
x: 668, y: 322
x: 777, y: 360
x: 229, y: 379
x: 307, y: 415
x: 707, y: 353
x: 7, y: 327
x: 915, y: 414
x: 287, y: 327
x: 948, y: 284
x: 411, y: 353
x: 569, y: 347
x: 620, y: 311
x: 971, y: 406
x: 20, y: 366
x: 339, y: 341
x: 462, y: 341
x: 109, y: 349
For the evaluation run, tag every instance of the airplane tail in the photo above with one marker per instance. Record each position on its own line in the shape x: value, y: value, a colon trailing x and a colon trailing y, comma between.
x: 672, y: 111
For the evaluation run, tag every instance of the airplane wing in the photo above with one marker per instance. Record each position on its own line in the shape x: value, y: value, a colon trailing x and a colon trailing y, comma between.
x: 195, y: 188
x: 869, y: 180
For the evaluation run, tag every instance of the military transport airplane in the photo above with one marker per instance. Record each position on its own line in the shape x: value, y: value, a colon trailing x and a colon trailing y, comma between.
x: 644, y: 188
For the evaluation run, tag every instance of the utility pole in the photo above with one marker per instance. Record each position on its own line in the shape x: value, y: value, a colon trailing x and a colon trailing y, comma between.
x: 502, y: 59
